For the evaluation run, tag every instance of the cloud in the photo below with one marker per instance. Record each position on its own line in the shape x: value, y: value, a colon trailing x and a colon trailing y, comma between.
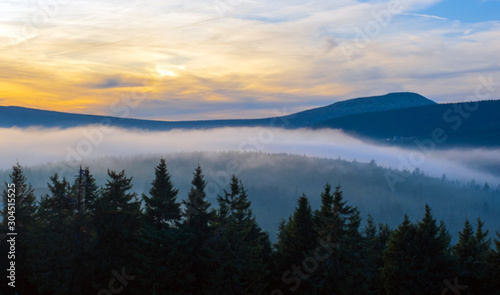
x: 83, y: 54
x: 113, y: 82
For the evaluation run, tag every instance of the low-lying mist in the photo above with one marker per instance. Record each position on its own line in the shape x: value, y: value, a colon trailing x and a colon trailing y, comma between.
x: 36, y: 146
x: 275, y: 181
x: 276, y: 166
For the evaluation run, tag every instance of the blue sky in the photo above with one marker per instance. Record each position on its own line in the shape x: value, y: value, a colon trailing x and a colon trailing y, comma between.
x: 469, y: 11
x: 205, y: 59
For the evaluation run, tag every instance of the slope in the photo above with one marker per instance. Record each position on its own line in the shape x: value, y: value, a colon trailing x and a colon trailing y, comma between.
x: 456, y: 124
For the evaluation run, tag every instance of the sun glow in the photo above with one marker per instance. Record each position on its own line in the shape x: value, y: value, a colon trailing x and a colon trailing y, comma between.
x: 170, y: 71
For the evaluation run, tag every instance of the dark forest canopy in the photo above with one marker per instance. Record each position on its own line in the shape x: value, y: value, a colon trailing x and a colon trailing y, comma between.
x: 82, y: 238
x: 276, y: 180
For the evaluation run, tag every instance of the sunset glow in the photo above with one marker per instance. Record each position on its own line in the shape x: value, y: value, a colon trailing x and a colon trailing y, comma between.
x: 198, y: 59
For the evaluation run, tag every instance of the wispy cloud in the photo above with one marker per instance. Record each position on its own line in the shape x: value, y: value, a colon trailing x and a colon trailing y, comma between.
x: 85, y: 54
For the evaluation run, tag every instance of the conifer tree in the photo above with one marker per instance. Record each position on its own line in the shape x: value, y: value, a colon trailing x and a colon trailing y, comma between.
x: 162, y: 206
x: 399, y: 269
x: 197, y: 223
x: 196, y: 213
x: 85, y: 192
x: 375, y: 242
x: 117, y: 222
x: 343, y: 271
x: 166, y: 249
x: 417, y: 259
x: 25, y: 208
x: 296, y: 241
x: 52, y: 264
x: 493, y: 267
x: 435, y: 261
x: 471, y: 252
x: 237, y: 248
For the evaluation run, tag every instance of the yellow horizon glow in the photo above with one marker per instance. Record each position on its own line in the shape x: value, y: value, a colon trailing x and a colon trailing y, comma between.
x: 92, y: 55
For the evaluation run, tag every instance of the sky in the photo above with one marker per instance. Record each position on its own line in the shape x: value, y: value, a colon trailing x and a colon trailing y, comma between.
x: 207, y: 59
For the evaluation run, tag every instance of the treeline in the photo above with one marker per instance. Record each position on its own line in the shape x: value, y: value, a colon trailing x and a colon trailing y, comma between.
x: 85, y: 239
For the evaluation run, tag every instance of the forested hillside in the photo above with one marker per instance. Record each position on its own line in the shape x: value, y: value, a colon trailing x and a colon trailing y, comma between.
x: 81, y: 238
x: 474, y: 124
x: 274, y: 181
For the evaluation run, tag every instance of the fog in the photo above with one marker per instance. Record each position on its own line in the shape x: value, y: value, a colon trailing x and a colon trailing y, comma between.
x: 275, y: 165
x: 34, y: 146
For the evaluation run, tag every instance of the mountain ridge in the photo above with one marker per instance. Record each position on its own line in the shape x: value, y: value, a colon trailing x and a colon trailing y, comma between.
x: 9, y: 115
x: 368, y: 104
x: 398, y: 119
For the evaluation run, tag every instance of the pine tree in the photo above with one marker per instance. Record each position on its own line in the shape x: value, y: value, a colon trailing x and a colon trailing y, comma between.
x: 435, y: 259
x: 196, y: 214
x: 399, y: 270
x: 493, y: 268
x: 53, y: 255
x: 62, y: 260
x: 117, y: 222
x: 197, y: 223
x: 471, y: 252
x: 166, y: 249
x: 296, y: 242
x: 375, y: 240
x: 236, y: 250
x: 353, y: 257
x: 24, y: 214
x: 343, y: 272
x: 417, y: 258
x: 83, y: 233
x: 162, y: 206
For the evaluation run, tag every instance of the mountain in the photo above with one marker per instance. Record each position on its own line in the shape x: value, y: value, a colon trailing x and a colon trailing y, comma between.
x: 25, y: 117
x: 360, y: 105
x: 455, y: 124
x: 395, y: 118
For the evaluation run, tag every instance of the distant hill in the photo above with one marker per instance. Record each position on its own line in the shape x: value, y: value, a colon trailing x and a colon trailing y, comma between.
x: 395, y: 118
x: 25, y: 117
x: 480, y: 127
x: 360, y: 105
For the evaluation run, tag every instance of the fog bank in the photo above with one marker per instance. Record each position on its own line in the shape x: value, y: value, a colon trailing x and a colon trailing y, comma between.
x: 35, y: 146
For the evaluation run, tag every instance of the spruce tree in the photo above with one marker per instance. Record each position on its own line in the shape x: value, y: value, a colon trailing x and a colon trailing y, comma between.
x: 296, y: 242
x: 62, y: 262
x: 166, y: 249
x: 117, y: 222
x: 470, y: 253
x: 399, y: 271
x: 196, y: 206
x: 417, y: 258
x: 162, y: 206
x: 493, y: 268
x: 197, y: 223
x: 435, y: 261
x: 343, y: 271
x: 24, y: 214
x: 83, y: 232
x: 375, y: 242
x: 53, y: 255
x: 237, y: 248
